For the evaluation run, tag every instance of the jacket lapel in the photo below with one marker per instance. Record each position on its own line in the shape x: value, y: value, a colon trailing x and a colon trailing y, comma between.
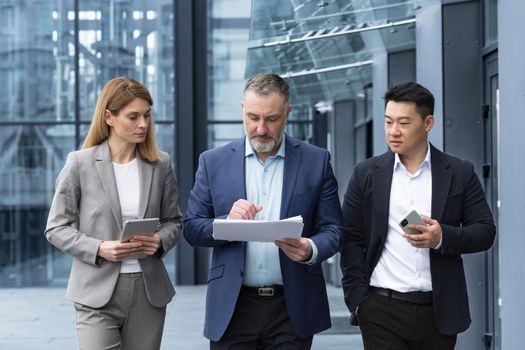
x: 145, y: 178
x: 292, y: 159
x: 441, y: 179
x: 381, y: 184
x: 237, y: 179
x: 105, y: 171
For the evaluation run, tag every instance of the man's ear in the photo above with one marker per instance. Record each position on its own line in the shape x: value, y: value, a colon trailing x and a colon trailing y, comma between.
x: 429, y: 122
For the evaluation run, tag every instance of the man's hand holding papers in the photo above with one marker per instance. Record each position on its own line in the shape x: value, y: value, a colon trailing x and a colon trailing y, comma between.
x: 244, y: 210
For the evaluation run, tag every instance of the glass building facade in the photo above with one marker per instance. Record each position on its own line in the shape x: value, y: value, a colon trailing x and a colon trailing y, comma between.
x: 56, y: 56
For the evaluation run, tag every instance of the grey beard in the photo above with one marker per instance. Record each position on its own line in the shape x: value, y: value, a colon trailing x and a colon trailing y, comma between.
x: 264, y: 147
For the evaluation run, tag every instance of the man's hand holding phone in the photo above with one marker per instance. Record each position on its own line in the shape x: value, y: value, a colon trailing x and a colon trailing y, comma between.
x: 421, y: 231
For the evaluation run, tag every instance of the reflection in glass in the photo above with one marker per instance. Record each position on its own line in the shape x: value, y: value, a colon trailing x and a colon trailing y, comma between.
x: 228, y: 41
x: 127, y: 38
x: 294, y: 19
x: 38, y: 105
x: 31, y: 159
x: 34, y: 58
x: 491, y: 21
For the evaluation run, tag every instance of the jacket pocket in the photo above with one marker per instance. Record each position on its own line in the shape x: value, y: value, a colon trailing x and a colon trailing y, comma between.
x: 215, y: 273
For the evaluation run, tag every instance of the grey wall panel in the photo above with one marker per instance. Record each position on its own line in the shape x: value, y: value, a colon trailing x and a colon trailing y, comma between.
x: 463, y: 135
x: 401, y: 67
x: 462, y: 83
x: 429, y: 65
x: 192, y: 264
x: 379, y: 87
x: 343, y: 155
x: 511, y: 172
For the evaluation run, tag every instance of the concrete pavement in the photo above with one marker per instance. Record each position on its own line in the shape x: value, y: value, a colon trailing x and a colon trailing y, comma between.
x: 42, y: 319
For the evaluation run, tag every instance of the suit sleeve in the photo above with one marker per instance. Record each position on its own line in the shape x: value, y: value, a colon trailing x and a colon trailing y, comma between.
x: 63, y: 215
x: 328, y: 221
x: 353, y: 249
x: 198, y: 221
x: 476, y: 231
x: 170, y: 215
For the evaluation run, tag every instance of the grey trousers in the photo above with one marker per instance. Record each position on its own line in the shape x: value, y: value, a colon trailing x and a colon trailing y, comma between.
x: 128, y: 321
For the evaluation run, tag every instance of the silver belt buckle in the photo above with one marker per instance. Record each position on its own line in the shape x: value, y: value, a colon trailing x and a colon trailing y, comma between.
x: 266, y: 291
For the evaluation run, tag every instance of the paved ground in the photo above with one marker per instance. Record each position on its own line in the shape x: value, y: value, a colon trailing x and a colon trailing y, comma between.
x: 42, y: 319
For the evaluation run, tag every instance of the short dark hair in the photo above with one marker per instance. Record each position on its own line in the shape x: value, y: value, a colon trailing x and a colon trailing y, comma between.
x: 266, y: 83
x: 412, y: 92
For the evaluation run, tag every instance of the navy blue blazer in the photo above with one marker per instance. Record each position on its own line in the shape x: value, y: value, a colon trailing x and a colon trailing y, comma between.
x: 309, y: 189
x: 458, y: 204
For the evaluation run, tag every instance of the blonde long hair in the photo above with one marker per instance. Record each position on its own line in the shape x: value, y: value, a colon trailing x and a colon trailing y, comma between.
x: 115, y: 95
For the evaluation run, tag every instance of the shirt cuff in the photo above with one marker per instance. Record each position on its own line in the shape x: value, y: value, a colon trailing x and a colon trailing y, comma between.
x: 313, y: 259
x: 440, y: 241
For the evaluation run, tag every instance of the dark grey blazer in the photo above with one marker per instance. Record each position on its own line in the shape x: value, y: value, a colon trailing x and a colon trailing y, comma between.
x: 458, y: 203
x: 86, y: 210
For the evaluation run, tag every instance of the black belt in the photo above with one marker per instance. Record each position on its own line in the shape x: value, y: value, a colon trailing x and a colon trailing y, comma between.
x: 264, y: 291
x: 411, y: 297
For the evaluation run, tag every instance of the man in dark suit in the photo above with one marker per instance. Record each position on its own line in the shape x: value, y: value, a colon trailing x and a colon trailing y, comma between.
x: 266, y: 295
x: 408, y: 291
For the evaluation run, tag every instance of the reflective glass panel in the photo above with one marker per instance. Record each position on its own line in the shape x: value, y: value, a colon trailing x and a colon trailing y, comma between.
x: 491, y: 21
x: 277, y: 18
x: 32, y: 156
x: 228, y: 32
x: 37, y: 59
x: 38, y: 103
x: 127, y: 38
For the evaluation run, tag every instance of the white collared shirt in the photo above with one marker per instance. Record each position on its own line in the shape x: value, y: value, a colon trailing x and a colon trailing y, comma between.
x: 127, y: 180
x: 402, y: 267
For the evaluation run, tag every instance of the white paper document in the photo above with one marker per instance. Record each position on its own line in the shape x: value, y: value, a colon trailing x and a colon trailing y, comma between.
x: 257, y: 230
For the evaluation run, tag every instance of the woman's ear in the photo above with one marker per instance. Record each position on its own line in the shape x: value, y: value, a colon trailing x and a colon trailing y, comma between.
x: 108, y: 117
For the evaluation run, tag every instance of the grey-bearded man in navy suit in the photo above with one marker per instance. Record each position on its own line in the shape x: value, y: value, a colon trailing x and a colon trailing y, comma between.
x: 266, y: 295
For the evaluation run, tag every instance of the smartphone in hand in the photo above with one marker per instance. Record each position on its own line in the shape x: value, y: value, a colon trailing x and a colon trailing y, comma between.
x: 412, y: 217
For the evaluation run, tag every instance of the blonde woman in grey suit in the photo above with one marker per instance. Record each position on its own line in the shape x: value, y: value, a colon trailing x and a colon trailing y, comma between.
x: 120, y: 289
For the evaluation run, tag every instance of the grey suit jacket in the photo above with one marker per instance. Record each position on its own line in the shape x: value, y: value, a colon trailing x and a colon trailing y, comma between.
x: 86, y: 211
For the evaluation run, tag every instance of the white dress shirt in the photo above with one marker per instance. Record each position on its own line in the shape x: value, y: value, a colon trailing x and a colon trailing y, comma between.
x: 127, y: 180
x: 403, y: 267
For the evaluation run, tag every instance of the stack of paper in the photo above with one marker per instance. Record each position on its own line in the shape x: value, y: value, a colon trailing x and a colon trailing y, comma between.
x: 257, y: 230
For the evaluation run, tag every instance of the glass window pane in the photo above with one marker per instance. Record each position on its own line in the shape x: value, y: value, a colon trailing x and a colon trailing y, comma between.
x: 228, y: 43
x: 491, y: 21
x: 221, y: 134
x: 32, y: 156
x: 132, y: 38
x: 37, y: 42
x: 127, y: 38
